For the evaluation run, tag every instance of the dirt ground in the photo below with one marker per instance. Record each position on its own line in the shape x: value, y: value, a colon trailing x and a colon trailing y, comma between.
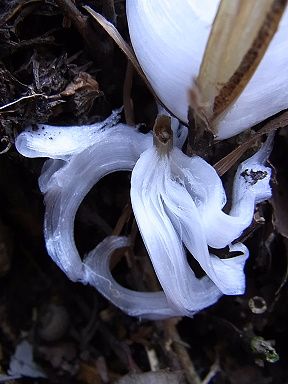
x: 58, y: 66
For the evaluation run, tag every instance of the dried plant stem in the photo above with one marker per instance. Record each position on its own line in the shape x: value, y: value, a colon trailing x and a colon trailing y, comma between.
x: 223, y: 165
x: 81, y: 23
x: 212, y: 372
x: 181, y: 351
x: 70, y: 10
x: 127, y: 100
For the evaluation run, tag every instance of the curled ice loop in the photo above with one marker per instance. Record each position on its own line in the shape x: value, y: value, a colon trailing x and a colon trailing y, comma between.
x: 176, y: 200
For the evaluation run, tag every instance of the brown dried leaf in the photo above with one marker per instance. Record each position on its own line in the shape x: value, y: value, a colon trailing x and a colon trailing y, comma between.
x: 83, y: 81
x: 241, y: 33
x: 82, y: 92
x: 89, y: 374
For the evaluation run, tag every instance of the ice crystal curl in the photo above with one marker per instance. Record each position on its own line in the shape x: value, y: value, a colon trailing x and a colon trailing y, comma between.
x: 176, y: 201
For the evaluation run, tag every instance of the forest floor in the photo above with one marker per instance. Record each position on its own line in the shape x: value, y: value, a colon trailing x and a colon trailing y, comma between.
x: 58, y: 66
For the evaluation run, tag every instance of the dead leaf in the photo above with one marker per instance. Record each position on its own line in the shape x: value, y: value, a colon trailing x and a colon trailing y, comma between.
x: 82, y: 92
x: 83, y: 81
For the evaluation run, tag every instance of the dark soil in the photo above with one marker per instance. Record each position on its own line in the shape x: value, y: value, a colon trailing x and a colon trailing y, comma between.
x: 58, y: 66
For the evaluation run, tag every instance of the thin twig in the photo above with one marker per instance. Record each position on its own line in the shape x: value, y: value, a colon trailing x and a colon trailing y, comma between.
x: 228, y: 161
x: 74, y: 15
x: 81, y: 22
x: 215, y: 368
x: 123, y: 219
x: 20, y: 100
x: 182, y: 354
x: 127, y: 100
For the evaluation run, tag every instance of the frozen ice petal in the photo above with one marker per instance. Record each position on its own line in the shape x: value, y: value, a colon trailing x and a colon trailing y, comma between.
x: 201, y: 181
x: 148, y: 305
x: 251, y: 186
x: 184, y: 187
x: 150, y: 196
x: 187, y: 220
x: 67, y: 187
x: 231, y: 270
x: 50, y: 167
x: 59, y: 142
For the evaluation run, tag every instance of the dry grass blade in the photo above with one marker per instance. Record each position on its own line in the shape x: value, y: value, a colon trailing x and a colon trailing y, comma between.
x: 8, y: 107
x: 241, y: 33
x: 228, y: 161
x: 187, y: 364
x: 118, y: 39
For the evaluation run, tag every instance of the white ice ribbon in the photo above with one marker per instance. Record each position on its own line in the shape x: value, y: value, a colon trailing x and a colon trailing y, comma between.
x: 176, y: 200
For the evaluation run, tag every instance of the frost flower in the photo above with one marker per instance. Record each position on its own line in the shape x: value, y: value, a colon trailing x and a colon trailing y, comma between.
x: 180, y: 200
x: 177, y: 201
x: 77, y: 164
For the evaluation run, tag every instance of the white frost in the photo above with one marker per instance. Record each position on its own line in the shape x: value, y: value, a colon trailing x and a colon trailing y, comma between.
x: 176, y: 200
